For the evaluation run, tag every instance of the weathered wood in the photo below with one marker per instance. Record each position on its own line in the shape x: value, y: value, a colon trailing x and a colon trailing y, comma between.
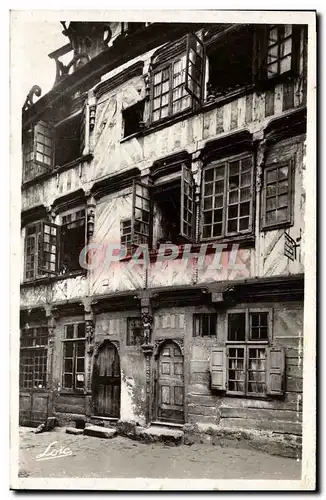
x: 203, y: 378
x: 265, y: 425
x: 256, y: 413
x: 208, y: 400
x: 294, y: 384
x: 202, y: 410
x: 269, y: 102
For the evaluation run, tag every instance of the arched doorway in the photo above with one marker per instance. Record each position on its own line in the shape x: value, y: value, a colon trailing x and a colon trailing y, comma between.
x: 106, y: 383
x: 170, y: 383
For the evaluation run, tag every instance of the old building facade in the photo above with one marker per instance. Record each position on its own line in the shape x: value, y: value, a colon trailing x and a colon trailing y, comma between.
x: 185, y: 144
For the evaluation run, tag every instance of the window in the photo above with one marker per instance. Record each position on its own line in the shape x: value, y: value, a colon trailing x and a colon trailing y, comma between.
x: 33, y: 357
x: 41, y: 250
x: 135, y: 334
x: 68, y: 140
x: 246, y: 361
x: 176, y: 83
x: 173, y: 206
x: 230, y: 62
x: 204, y: 325
x: 277, y: 195
x: 227, y: 198
x: 133, y: 118
x: 38, y: 150
x: 72, y: 239
x: 74, y: 356
x: 278, y: 48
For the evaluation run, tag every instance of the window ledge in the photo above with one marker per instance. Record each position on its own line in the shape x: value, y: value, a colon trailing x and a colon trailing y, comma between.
x: 283, y: 225
x: 50, y: 279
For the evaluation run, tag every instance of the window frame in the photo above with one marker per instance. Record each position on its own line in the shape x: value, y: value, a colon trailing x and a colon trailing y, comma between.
x: 246, y: 345
x: 129, y: 331
x: 261, y: 46
x: 65, y: 213
x: 40, y: 271
x: 290, y: 163
x: 199, y: 316
x: 34, y: 349
x: 74, y: 340
x: 195, y: 101
x: 225, y: 236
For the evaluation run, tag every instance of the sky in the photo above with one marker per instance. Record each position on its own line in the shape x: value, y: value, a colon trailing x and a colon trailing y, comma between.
x: 35, y: 40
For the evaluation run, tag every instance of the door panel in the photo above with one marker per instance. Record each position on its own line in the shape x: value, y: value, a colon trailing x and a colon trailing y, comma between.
x: 106, y: 382
x: 170, y: 385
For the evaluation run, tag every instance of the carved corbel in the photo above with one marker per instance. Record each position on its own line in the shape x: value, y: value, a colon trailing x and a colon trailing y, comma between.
x: 35, y: 91
x: 90, y: 208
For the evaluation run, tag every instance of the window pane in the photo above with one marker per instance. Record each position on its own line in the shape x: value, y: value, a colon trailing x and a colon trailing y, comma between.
x: 81, y: 330
x: 237, y: 327
x: 258, y: 326
x: 68, y: 380
x: 285, y: 64
x: 236, y: 374
x: 69, y: 349
x: 256, y: 370
x: 69, y: 331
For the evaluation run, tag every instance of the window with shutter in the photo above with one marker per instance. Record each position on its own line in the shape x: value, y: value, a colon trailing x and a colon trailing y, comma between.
x: 41, y: 250
x: 187, y: 212
x: 248, y: 334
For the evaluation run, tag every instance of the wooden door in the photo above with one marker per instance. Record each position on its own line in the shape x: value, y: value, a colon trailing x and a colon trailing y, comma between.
x: 107, y: 382
x: 170, y: 385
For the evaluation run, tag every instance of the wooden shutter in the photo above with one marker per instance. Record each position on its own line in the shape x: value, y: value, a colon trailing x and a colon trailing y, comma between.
x: 218, y: 368
x: 195, y: 68
x: 275, y: 371
x: 141, y: 214
x: 187, y: 204
x: 48, y: 249
x: 44, y: 144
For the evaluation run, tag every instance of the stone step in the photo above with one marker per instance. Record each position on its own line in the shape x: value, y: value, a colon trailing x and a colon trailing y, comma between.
x: 159, y: 433
x: 101, y: 432
x: 74, y: 430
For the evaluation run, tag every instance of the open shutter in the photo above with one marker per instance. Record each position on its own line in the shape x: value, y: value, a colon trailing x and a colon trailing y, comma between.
x: 48, y: 249
x: 218, y: 368
x: 141, y: 211
x: 187, y: 204
x: 44, y: 145
x: 260, y: 53
x: 275, y: 371
x: 195, y: 68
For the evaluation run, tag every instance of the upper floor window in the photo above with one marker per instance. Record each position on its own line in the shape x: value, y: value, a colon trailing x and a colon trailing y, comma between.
x: 72, y: 239
x: 278, y: 50
x: 41, y: 249
x: 277, y: 195
x: 47, y: 145
x: 135, y: 333
x: 204, y: 325
x: 51, y: 249
x: 178, y: 83
x: 227, y: 197
x: 171, y: 203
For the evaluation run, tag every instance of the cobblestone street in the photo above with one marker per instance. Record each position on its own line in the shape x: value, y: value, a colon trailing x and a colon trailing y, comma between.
x: 121, y: 457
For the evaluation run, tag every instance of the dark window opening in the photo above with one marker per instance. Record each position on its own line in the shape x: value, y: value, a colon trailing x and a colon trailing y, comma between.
x: 168, y: 207
x: 135, y: 334
x: 133, y: 118
x: 72, y: 240
x: 33, y: 357
x: 67, y: 141
x: 230, y: 64
x: 204, y: 325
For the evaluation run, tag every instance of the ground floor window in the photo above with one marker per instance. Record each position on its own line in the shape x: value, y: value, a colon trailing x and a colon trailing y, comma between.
x: 33, y: 357
x: 246, y: 370
x: 74, y: 357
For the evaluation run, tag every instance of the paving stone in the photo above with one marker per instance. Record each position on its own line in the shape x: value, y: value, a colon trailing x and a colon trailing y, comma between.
x: 74, y: 430
x: 160, y: 433
x: 101, y: 432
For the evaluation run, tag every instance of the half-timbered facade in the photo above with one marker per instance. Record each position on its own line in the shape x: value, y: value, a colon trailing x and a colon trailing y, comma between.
x: 185, y: 145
